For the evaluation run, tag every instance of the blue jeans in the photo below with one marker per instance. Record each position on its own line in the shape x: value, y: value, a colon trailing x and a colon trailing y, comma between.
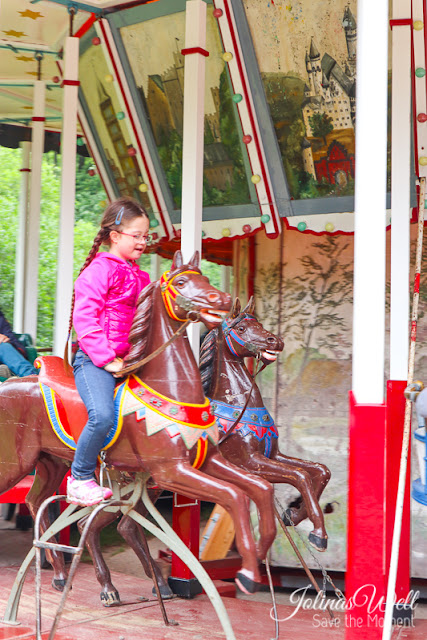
x: 96, y: 389
x: 15, y: 361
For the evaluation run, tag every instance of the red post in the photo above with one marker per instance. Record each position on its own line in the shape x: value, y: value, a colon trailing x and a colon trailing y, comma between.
x: 186, y: 523
x: 395, y: 423
x: 365, y: 584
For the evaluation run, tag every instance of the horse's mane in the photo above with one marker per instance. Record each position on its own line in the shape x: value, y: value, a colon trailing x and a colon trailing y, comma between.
x: 140, y: 329
x: 207, y: 354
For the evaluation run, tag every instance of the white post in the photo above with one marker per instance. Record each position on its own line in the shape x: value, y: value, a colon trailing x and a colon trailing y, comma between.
x: 193, y: 134
x: 370, y: 203
x: 33, y: 236
x: 64, y: 283
x: 155, y: 266
x: 225, y: 278
x: 21, y: 240
x: 400, y: 188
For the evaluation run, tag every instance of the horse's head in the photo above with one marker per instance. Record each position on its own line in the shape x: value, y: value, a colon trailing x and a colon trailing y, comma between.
x: 246, y: 337
x: 188, y: 294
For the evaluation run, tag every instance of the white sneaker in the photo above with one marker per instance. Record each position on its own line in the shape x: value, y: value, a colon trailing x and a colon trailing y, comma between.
x: 86, y: 493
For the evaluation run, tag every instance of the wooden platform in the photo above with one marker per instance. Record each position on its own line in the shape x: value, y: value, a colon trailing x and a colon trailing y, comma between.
x: 85, y: 618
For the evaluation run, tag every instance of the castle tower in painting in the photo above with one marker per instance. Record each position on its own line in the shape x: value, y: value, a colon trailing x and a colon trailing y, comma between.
x: 315, y: 74
x: 350, y: 28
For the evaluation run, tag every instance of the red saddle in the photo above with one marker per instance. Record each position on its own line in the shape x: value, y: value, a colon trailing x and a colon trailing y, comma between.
x: 61, y: 381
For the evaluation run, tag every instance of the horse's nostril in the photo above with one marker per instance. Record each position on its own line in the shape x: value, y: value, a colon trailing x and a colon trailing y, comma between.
x: 213, y: 297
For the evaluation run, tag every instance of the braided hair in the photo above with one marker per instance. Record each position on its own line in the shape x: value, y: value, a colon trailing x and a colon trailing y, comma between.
x: 117, y: 215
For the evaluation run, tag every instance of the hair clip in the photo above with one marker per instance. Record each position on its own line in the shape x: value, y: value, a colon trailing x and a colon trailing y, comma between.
x: 119, y: 216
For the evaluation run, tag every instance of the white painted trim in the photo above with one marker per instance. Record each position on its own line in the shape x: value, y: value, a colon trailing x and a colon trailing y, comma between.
x: 420, y: 83
x: 370, y: 203
x: 64, y: 282
x: 400, y: 191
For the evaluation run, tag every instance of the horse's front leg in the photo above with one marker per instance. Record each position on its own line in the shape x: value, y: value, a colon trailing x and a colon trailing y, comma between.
x: 50, y: 472
x: 131, y: 532
x: 180, y: 477
x: 319, y: 475
x: 109, y: 595
x: 258, y: 490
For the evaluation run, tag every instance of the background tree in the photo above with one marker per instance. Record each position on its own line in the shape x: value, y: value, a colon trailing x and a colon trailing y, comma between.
x: 321, y: 125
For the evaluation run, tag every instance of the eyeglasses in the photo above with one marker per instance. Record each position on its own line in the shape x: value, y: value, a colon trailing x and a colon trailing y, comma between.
x: 136, y: 236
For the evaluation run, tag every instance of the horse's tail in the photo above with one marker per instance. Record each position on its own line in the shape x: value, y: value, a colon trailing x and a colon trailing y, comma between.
x: 206, y: 363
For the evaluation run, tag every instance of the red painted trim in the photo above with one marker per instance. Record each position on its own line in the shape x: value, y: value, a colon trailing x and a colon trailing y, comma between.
x: 190, y: 50
x: 394, y: 436
x: 131, y: 119
x: 18, y: 493
x: 414, y: 100
x: 186, y: 523
x: 366, y: 517
x: 400, y: 22
x: 253, y: 123
x: 85, y: 26
x: 71, y: 83
x: 252, y: 267
x: 25, y: 170
x: 38, y: 119
x: 417, y: 283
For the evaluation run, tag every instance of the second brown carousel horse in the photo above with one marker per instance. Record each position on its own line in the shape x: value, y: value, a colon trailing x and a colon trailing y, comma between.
x: 176, y: 440
x: 253, y: 441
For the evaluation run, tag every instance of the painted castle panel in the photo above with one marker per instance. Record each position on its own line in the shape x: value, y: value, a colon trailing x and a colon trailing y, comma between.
x: 306, y: 52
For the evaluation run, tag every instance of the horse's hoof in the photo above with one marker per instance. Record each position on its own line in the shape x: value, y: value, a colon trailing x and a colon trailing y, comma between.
x: 110, y: 598
x: 317, y: 542
x: 165, y: 591
x: 245, y: 584
x: 58, y: 585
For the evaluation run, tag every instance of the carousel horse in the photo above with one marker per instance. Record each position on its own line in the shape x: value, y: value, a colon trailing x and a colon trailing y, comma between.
x: 172, y: 434
x: 252, y: 443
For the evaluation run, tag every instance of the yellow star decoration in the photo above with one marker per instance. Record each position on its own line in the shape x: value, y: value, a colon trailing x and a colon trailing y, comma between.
x: 25, y: 58
x: 32, y: 73
x: 27, y: 107
x: 30, y: 14
x: 14, y: 34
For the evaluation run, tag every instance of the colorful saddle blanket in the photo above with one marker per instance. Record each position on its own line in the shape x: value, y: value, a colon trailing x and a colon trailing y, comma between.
x: 195, y: 424
x: 256, y: 421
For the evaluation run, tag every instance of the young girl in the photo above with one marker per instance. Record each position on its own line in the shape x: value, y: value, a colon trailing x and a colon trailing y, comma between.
x: 105, y: 297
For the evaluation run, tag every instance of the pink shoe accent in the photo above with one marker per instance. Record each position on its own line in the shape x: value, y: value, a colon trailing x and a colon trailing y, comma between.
x: 86, y: 493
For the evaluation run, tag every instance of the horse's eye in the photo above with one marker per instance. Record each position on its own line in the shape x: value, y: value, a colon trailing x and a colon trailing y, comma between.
x: 181, y: 283
x: 241, y: 328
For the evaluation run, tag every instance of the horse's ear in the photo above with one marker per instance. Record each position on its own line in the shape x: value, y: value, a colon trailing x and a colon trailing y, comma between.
x: 250, y: 307
x: 177, y: 261
x: 236, y: 308
x: 195, y: 260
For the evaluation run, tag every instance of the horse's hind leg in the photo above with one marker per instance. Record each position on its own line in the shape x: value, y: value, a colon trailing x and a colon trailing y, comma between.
x: 49, y: 474
x: 109, y: 594
x: 131, y: 532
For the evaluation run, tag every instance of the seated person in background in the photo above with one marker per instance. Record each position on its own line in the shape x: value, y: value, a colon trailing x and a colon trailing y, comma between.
x: 12, y: 353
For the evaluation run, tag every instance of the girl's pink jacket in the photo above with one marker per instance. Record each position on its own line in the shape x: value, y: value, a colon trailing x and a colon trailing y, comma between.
x: 106, y: 297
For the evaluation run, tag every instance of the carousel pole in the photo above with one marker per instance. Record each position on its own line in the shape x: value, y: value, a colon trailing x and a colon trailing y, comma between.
x: 367, y: 414
x: 21, y: 240
x: 401, y: 25
x: 186, y: 514
x: 33, y: 233
x: 64, y: 282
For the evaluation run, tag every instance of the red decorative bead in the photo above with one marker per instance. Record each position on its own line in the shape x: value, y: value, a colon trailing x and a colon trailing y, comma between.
x: 91, y: 172
x: 154, y: 236
x: 217, y: 13
x: 56, y: 79
x: 131, y: 151
x: 247, y: 139
x: 96, y: 41
x: 422, y: 117
x: 247, y: 228
x: 178, y: 233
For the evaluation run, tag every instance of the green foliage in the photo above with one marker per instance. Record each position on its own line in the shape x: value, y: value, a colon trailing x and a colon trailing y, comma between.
x: 321, y: 124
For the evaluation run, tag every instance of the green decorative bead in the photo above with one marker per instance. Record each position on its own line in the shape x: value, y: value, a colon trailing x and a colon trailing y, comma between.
x: 425, y: 204
x: 420, y: 72
x: 80, y: 142
x: 120, y: 115
x: 237, y: 97
x: 154, y: 223
x: 302, y: 226
x: 265, y: 218
x: 203, y: 234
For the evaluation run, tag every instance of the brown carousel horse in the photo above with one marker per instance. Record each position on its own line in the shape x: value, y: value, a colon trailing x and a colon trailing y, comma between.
x: 252, y: 443
x: 175, y: 442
